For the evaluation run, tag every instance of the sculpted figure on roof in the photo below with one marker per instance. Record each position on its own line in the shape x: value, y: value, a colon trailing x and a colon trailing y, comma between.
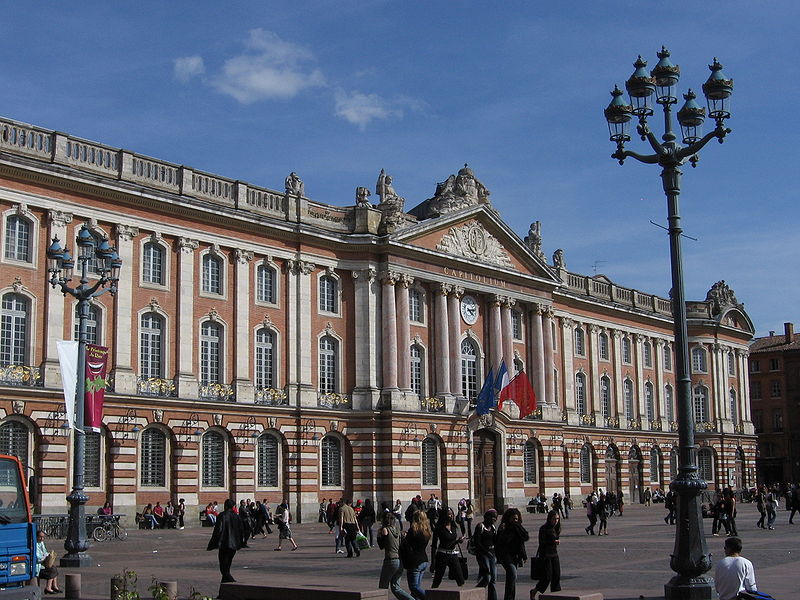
x: 721, y: 295
x: 458, y: 191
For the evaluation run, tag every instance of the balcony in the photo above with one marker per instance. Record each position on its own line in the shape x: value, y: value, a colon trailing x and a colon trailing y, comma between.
x: 21, y: 376
x: 611, y: 422
x: 218, y: 392
x: 655, y: 425
x: 156, y: 386
x: 587, y: 421
x: 334, y: 400
x: 705, y: 427
x: 431, y: 405
x: 271, y: 397
x: 634, y: 424
x: 535, y: 415
x: 738, y: 428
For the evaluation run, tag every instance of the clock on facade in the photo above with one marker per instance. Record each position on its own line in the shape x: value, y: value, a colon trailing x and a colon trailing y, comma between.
x: 469, y: 310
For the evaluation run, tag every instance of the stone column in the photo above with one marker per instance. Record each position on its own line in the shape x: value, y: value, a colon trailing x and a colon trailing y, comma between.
x: 718, y: 373
x: 496, y: 329
x: 367, y: 351
x: 442, y: 350
x: 508, y: 335
x: 124, y: 342
x: 243, y: 382
x: 744, y: 385
x: 619, y: 395
x: 538, y: 353
x: 54, y: 301
x: 389, y: 329
x: 306, y: 392
x: 188, y: 386
x: 403, y: 333
x: 454, y: 327
x: 549, y: 377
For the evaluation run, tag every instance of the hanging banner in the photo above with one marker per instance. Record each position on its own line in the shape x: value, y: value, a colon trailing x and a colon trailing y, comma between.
x: 96, y: 365
x: 68, y: 360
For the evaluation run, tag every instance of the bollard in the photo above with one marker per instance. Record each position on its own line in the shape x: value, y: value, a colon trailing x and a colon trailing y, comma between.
x: 171, y: 588
x: 72, y: 586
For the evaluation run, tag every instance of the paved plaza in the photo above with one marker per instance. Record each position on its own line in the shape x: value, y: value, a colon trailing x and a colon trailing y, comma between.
x: 632, y: 561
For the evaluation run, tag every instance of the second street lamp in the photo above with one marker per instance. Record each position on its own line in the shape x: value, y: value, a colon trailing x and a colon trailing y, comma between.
x: 690, y: 559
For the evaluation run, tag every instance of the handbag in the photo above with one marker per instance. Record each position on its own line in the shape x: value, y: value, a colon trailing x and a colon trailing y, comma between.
x: 537, y: 567
x: 463, y: 564
x: 754, y: 596
x: 49, y: 560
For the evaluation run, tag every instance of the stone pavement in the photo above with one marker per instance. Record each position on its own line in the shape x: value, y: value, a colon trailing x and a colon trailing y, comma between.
x: 632, y: 561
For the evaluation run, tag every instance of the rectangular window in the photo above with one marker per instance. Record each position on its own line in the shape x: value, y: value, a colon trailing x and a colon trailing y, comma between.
x: 667, y: 357
x: 603, y: 342
x: 758, y: 421
x: 647, y: 350
x: 212, y: 275
x: 775, y: 388
x: 731, y: 364
x: 774, y: 364
x: 265, y: 284
x: 153, y: 264
x: 267, y: 461
x: 17, y: 245
x: 755, y: 367
x: 430, y: 466
x: 777, y: 419
x: 327, y: 294
x: 415, y: 313
x: 516, y: 325
x: 755, y: 390
x: 529, y: 461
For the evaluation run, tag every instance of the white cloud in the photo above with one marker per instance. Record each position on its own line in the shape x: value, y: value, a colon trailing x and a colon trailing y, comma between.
x: 188, y: 67
x: 271, y: 68
x: 360, y: 109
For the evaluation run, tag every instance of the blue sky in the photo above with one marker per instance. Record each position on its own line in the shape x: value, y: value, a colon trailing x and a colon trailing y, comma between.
x: 337, y: 90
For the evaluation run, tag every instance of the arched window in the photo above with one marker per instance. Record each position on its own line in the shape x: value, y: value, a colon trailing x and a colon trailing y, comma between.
x: 210, y: 353
x: 580, y: 342
x: 18, y: 239
x: 267, y: 461
x: 667, y: 357
x: 153, y: 468
x: 14, y: 330
x: 699, y: 364
x: 647, y: 354
x: 602, y: 340
x: 265, y: 284
x: 328, y: 294
x: 627, y: 387
x: 705, y: 464
x: 331, y: 461
x: 418, y: 370
x: 430, y: 462
x: 93, y: 463
x: 605, y: 396
x: 92, y: 324
x: 151, y: 346
x: 580, y: 393
x: 213, y: 461
x: 265, y: 359
x: 530, y: 463
x: 14, y: 440
x: 648, y: 401
x: 669, y: 403
x: 153, y: 263
x: 733, y: 406
x: 655, y: 465
x: 469, y: 370
x: 328, y: 364
x: 700, y: 398
x: 586, y: 464
x: 212, y: 274
x: 626, y: 350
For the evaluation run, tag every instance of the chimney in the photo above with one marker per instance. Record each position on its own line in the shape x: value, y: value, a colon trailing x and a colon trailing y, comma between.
x: 788, y: 329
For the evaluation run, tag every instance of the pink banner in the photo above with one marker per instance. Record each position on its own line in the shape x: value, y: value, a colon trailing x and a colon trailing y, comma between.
x: 96, y: 365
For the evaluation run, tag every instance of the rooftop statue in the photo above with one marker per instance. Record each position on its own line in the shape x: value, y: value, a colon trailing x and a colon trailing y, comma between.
x: 534, y: 239
x: 721, y: 296
x: 458, y: 191
x: 294, y: 185
x: 391, y: 205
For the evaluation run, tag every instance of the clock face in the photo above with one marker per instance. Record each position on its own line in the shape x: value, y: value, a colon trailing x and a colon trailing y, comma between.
x: 469, y: 310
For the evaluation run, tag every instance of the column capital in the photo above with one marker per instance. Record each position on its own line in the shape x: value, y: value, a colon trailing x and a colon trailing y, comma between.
x: 442, y: 289
x: 406, y: 280
x: 508, y: 301
x: 567, y: 323
x: 297, y: 267
x: 389, y: 277
x: 369, y: 274
x: 243, y: 256
x: 616, y: 333
x: 741, y: 353
x: 593, y: 329
x: 59, y: 218
x: 456, y: 291
x: 126, y: 233
x: 187, y: 245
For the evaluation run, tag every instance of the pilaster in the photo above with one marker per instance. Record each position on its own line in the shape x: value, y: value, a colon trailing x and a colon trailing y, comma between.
x: 549, y: 358
x: 538, y: 353
x: 454, y: 329
x: 57, y: 227
x: 245, y: 391
x: 442, y: 349
x: 124, y: 377
x: 188, y: 386
x: 368, y: 351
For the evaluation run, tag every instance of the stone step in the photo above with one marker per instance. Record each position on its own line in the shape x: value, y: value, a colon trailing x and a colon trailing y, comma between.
x: 569, y: 595
x: 242, y: 591
x: 471, y: 593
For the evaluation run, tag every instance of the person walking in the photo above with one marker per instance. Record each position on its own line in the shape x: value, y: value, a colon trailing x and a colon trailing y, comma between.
x: 734, y: 573
x: 415, y: 559
x: 772, y: 508
x: 366, y: 519
x: 567, y: 504
x: 591, y: 513
x: 720, y: 516
x: 761, y: 505
x: 510, y: 548
x: 620, y: 502
x: 446, y: 537
x: 729, y: 506
x: 794, y: 502
x: 226, y: 539
x: 483, y: 542
x: 283, y: 519
x: 392, y: 570
x: 669, y: 504
x: 549, y: 535
x: 469, y: 515
x: 349, y: 523
x: 602, y: 514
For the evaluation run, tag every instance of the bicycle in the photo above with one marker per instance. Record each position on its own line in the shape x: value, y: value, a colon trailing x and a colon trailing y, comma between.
x: 109, y: 528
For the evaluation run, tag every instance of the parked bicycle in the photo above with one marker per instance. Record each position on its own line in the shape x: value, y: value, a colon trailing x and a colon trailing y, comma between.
x: 109, y: 528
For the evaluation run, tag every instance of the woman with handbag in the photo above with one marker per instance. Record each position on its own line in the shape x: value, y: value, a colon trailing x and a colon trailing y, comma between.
x: 414, y: 554
x: 45, y: 568
x: 549, y: 566
x: 446, y: 538
x: 392, y: 570
x: 509, y: 546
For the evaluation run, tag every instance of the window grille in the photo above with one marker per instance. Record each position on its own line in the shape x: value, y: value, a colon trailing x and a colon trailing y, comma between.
x: 212, y: 275
x: 586, y: 465
x: 529, y: 462
x: 93, y: 460
x: 328, y: 364
x: 210, y: 353
x: 430, y: 462
x: 92, y: 325
x: 13, y: 330
x: 153, y: 263
x: 151, y: 347
x: 417, y: 370
x: 327, y: 294
x: 14, y: 440
x: 331, y: 462
x: 265, y: 359
x: 605, y: 396
x: 266, y: 284
x: 18, y: 239
x: 469, y: 370
x: 705, y: 464
x: 267, y: 461
x: 154, y: 458
x: 213, y: 460
x: 580, y: 393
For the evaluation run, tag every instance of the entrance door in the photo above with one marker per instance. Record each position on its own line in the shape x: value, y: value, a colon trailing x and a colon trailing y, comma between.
x: 636, y: 480
x: 483, y: 455
x: 612, y: 475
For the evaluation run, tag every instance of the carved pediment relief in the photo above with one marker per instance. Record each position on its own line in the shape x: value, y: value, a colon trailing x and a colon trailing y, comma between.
x: 473, y: 241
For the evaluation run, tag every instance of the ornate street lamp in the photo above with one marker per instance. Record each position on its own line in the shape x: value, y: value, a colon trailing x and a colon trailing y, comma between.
x: 61, y: 266
x: 690, y: 559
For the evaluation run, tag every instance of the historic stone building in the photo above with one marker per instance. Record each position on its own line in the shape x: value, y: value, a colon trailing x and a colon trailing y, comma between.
x: 267, y: 345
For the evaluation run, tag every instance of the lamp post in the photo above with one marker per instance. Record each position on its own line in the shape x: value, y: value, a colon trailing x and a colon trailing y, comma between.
x: 690, y: 559
x: 61, y: 266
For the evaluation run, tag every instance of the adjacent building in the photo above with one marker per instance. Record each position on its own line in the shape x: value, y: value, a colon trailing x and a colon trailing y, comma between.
x: 265, y: 345
x: 775, y: 401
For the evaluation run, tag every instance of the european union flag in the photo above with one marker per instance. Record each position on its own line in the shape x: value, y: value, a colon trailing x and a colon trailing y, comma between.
x: 486, y: 396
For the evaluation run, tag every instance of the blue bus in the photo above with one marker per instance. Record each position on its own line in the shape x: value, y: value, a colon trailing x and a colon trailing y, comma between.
x: 17, y: 534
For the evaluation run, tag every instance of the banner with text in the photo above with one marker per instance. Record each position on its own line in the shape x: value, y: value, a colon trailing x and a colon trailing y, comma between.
x: 96, y: 367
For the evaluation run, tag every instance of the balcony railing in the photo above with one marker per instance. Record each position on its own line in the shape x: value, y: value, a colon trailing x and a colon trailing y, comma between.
x: 655, y: 425
x: 738, y: 428
x: 611, y: 422
x: 635, y: 424
x: 535, y: 415
x: 705, y: 427
x: 220, y: 392
x: 21, y: 376
x: 432, y: 405
x: 334, y: 400
x: 587, y: 420
x: 156, y: 386
x: 271, y: 397
x: 673, y: 426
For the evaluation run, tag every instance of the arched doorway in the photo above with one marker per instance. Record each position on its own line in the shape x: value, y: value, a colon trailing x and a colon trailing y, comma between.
x: 612, y: 470
x: 739, y: 479
x: 485, y: 471
x: 635, y: 473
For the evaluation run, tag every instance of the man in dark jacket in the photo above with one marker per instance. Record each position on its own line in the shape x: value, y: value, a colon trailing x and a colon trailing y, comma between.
x: 227, y: 538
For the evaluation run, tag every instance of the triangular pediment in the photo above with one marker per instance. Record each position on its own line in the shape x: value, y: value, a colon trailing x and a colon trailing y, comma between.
x: 476, y: 235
